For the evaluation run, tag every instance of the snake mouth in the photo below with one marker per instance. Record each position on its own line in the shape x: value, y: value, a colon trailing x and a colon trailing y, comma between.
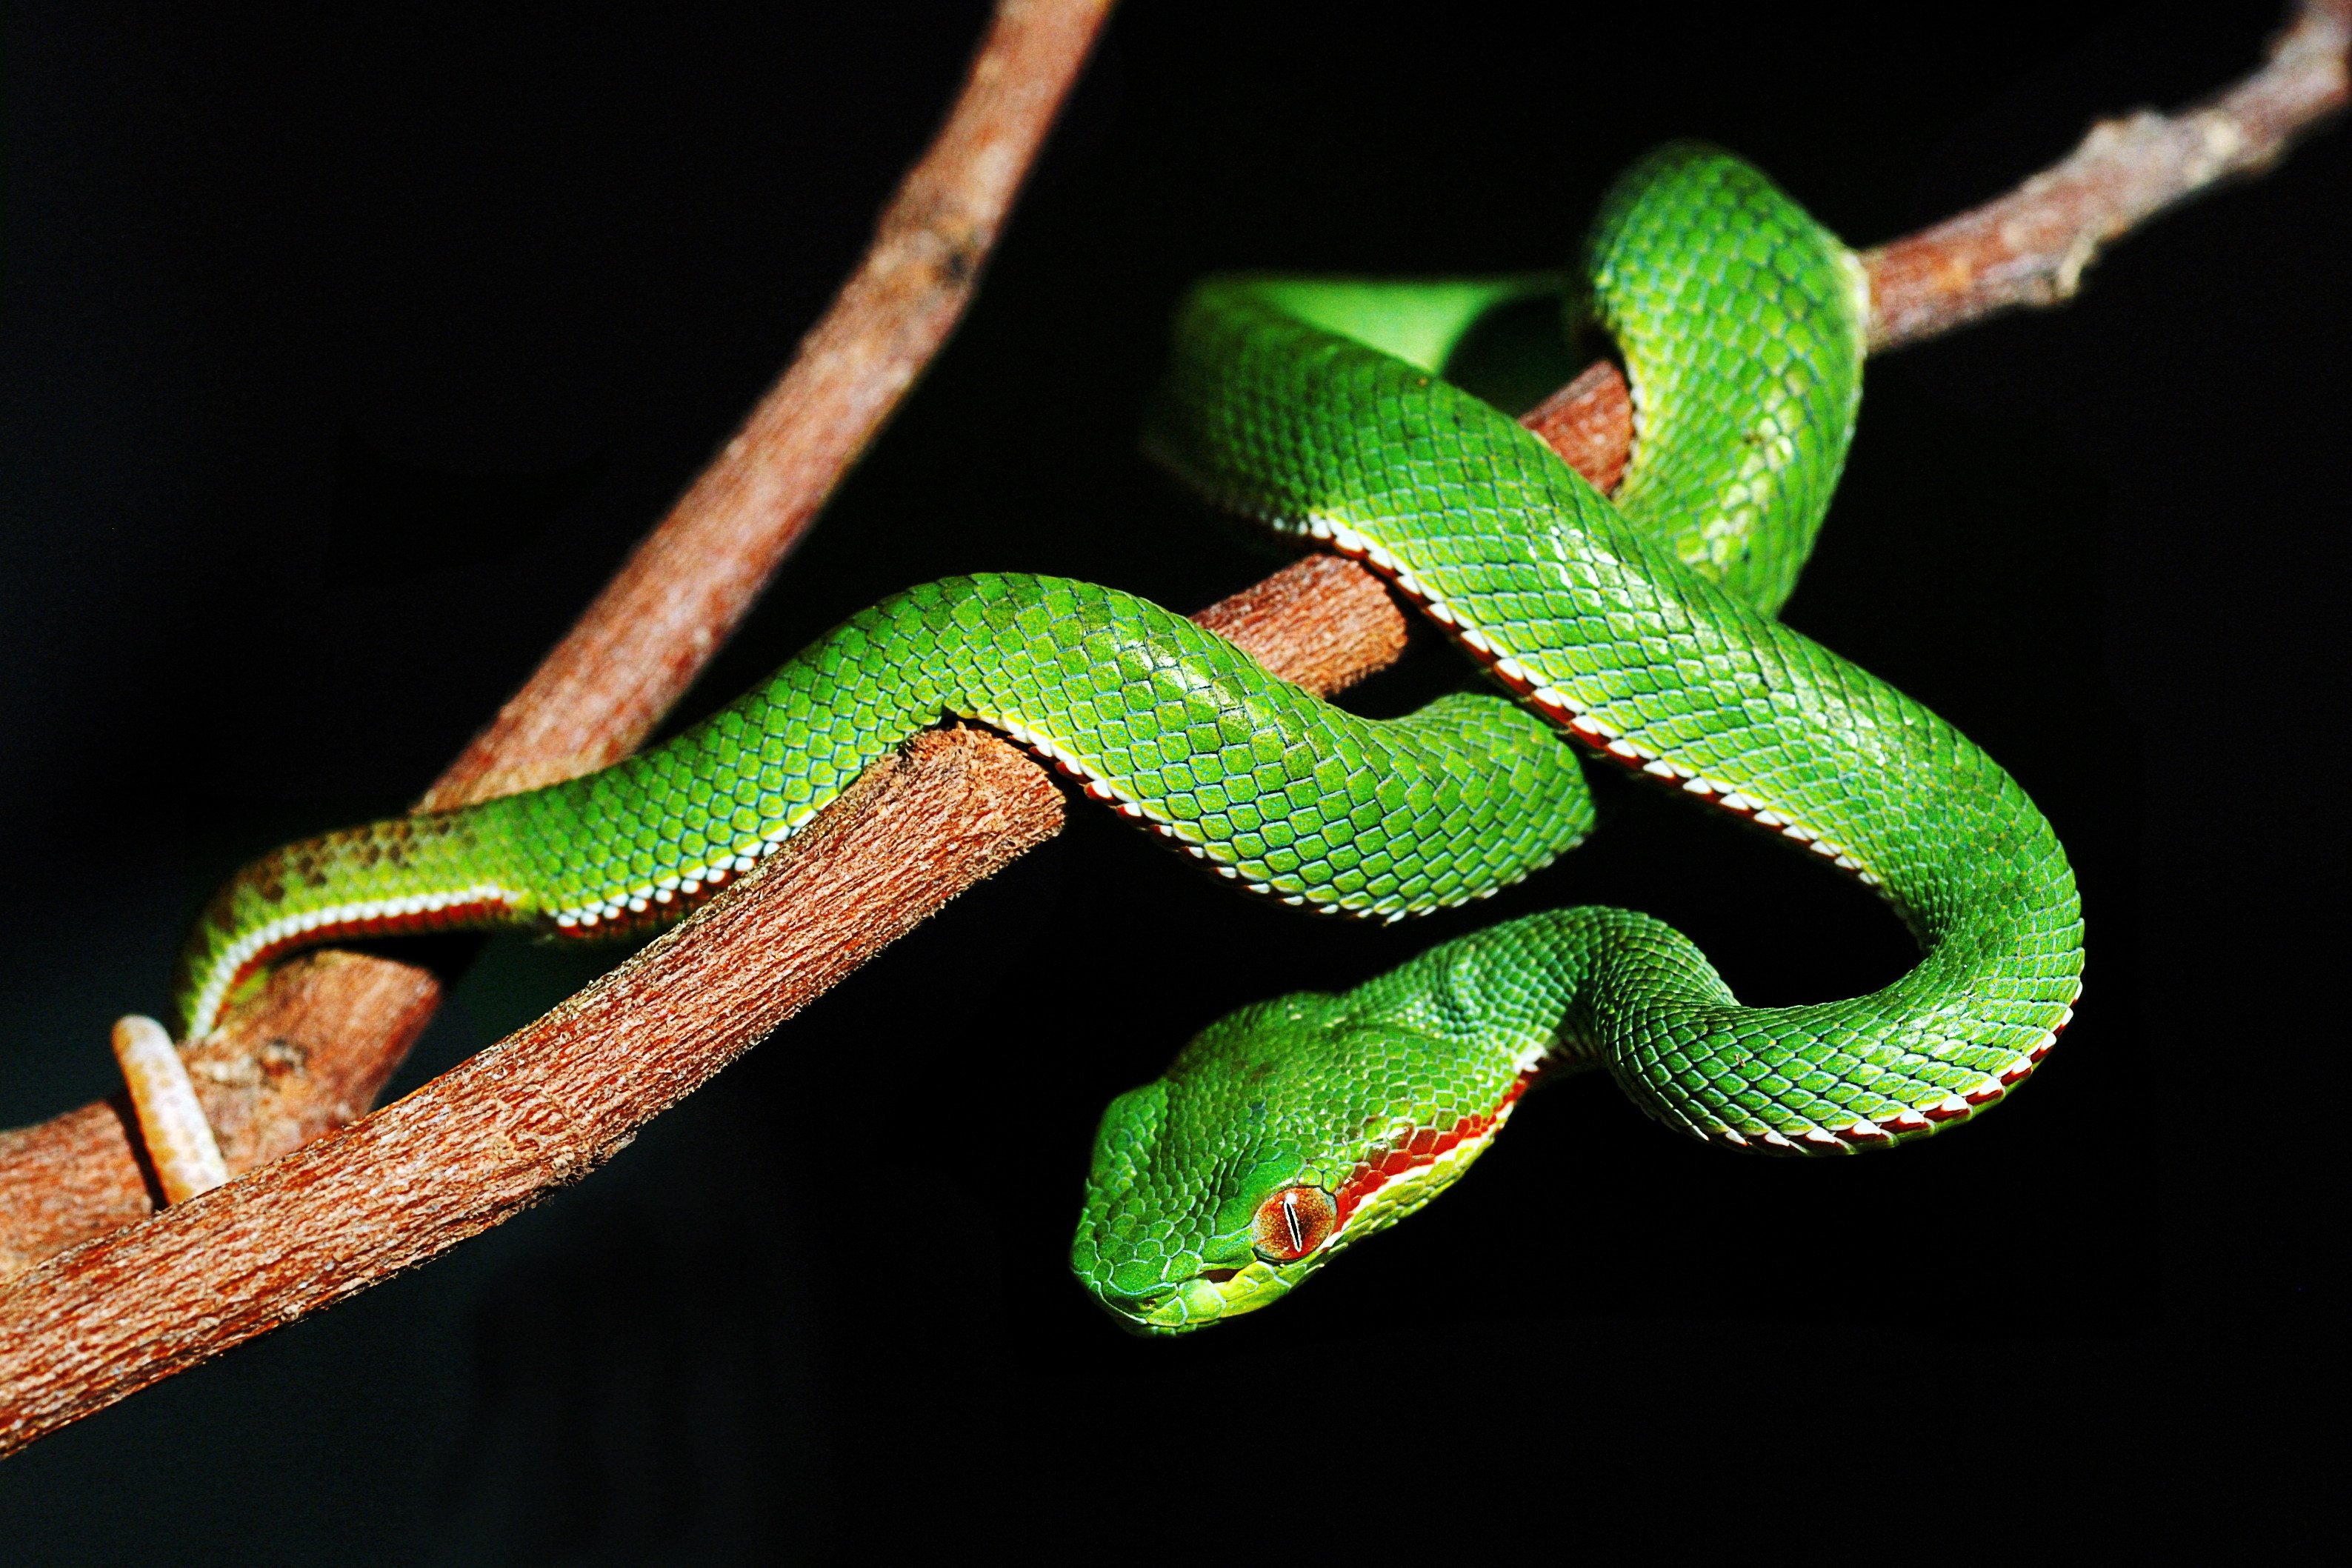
x: 1196, y: 1301
x: 1141, y: 1314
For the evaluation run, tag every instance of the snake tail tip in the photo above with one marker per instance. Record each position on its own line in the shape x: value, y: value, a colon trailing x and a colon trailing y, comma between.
x: 172, y: 1122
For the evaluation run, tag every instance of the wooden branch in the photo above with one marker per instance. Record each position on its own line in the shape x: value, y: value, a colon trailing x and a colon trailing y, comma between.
x: 1323, y: 621
x: 2030, y: 246
x: 308, y: 1056
x: 535, y: 1112
x: 84, y: 1328
x: 1590, y: 422
x: 327, y: 1034
x: 552, y: 1103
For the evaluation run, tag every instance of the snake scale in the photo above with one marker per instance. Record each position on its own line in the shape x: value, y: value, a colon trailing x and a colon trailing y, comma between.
x: 1642, y: 630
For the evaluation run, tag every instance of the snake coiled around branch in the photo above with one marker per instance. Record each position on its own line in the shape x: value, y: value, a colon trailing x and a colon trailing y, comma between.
x: 1639, y: 630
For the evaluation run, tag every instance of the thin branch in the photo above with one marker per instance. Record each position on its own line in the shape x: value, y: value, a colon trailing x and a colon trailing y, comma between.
x: 538, y: 1111
x: 2030, y: 246
x: 1590, y: 422
x: 327, y: 1034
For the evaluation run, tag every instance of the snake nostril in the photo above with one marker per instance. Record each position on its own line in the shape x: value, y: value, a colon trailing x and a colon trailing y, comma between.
x: 1218, y: 1276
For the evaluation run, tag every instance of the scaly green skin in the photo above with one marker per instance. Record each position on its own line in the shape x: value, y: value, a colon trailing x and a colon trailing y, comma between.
x: 1647, y: 636
x: 1645, y: 628
x: 1271, y: 786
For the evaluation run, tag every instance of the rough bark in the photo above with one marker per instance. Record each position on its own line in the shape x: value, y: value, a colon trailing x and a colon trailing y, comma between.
x: 636, y: 649
x: 1588, y: 421
x: 311, y: 1055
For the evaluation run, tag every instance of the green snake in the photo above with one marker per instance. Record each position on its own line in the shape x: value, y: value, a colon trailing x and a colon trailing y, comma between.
x: 1642, y: 630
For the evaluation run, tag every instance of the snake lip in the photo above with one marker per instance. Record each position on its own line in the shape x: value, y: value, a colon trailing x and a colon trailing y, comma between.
x: 1140, y: 1310
x: 1139, y: 1315
x: 1143, y: 1302
x: 1133, y: 1303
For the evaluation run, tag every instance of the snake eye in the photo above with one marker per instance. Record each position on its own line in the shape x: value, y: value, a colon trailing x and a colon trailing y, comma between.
x: 1294, y: 1222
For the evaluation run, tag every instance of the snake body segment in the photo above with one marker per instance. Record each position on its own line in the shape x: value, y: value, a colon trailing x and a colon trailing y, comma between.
x: 1272, y: 787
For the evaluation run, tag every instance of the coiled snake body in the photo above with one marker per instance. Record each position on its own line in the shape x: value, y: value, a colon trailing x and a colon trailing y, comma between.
x: 1642, y: 630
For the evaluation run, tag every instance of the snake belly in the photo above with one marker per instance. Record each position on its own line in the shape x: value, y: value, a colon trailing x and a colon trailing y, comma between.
x: 1290, y: 1130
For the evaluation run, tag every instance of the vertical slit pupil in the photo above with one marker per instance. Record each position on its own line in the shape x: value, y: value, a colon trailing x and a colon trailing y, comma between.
x: 1292, y: 1222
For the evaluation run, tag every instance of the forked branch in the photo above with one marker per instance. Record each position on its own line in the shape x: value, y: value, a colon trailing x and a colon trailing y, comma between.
x: 543, y: 1108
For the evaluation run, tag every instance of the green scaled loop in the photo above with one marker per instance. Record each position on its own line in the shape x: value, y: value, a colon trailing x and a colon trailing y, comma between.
x: 1643, y: 629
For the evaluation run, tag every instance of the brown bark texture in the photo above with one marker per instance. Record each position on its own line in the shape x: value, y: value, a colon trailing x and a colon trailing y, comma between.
x: 81, y: 1328
x: 1590, y: 422
x: 308, y: 1056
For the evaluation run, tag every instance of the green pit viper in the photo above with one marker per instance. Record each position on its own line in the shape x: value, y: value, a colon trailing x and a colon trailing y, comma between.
x: 1643, y: 629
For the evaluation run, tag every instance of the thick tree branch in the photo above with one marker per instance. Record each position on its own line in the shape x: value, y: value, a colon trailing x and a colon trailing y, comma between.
x: 308, y: 1056
x: 82, y: 1329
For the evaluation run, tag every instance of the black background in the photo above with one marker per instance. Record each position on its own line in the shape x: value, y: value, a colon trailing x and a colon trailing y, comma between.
x: 342, y: 356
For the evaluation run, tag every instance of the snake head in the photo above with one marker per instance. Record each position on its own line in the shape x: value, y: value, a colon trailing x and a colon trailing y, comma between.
x: 1165, y: 1253
x: 1282, y: 1134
